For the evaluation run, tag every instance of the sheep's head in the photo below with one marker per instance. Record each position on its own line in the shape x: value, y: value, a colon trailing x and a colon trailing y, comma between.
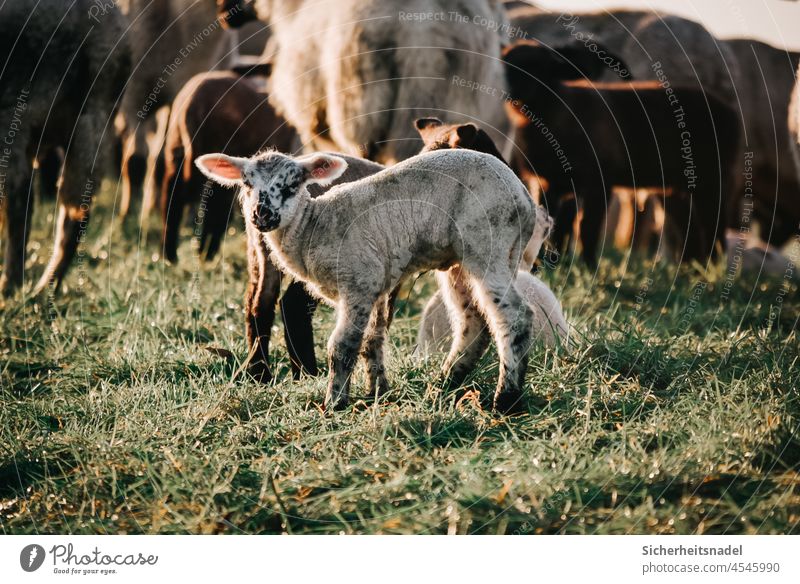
x: 235, y: 13
x: 439, y: 136
x: 271, y: 183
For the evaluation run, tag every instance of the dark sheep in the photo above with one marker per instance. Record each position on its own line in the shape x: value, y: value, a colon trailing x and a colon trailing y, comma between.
x: 64, y: 72
x: 764, y: 91
x: 585, y: 138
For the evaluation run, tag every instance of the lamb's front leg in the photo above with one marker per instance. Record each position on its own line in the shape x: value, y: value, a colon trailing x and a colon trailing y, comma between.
x: 353, y: 316
x: 372, y: 351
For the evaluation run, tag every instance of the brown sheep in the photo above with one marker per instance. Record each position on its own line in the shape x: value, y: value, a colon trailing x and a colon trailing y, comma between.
x: 214, y: 112
x: 586, y: 138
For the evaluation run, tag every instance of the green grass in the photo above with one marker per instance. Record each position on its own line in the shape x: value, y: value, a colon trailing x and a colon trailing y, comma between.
x: 677, y: 414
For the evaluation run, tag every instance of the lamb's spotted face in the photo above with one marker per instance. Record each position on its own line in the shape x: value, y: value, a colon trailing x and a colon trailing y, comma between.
x: 270, y: 187
x: 271, y: 182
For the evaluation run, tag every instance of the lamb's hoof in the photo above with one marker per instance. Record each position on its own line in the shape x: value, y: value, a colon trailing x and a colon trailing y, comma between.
x: 332, y: 405
x: 508, y: 402
x: 260, y: 372
x: 380, y: 391
x: 7, y: 287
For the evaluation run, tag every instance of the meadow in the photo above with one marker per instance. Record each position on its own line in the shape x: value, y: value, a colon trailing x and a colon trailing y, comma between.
x: 677, y: 413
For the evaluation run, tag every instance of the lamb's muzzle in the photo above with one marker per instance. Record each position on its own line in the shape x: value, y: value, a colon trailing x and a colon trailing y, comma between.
x: 456, y: 209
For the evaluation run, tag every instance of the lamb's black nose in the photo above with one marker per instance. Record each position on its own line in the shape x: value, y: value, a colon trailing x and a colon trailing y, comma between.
x: 264, y: 221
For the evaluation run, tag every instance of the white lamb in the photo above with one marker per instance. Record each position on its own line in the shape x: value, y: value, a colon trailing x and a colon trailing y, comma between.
x: 455, y: 210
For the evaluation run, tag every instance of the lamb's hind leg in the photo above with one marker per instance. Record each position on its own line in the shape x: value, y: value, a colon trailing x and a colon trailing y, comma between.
x: 510, y: 320
x: 470, y: 334
x: 353, y: 315
x: 372, y: 351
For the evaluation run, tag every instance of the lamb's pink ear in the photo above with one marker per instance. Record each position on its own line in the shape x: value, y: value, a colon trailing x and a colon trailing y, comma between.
x: 226, y: 170
x: 324, y: 168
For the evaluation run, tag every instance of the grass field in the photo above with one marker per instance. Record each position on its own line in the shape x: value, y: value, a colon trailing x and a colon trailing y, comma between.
x: 678, y: 413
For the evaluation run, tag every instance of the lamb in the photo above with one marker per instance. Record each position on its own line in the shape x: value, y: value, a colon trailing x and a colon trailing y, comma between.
x: 297, y: 305
x: 548, y: 324
x: 62, y: 78
x: 586, y: 138
x: 214, y: 112
x: 355, y: 80
x: 355, y: 244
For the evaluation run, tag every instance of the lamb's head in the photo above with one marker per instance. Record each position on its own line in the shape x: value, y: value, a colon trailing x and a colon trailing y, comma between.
x: 542, y: 229
x: 271, y: 184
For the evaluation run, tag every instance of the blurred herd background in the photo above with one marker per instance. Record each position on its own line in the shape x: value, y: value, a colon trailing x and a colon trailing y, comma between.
x: 129, y: 399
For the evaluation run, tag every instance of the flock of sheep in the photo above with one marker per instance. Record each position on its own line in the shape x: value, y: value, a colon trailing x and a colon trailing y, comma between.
x: 448, y: 136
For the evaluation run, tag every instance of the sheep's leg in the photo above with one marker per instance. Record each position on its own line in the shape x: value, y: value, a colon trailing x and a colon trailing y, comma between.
x: 470, y: 334
x: 353, y: 316
x: 510, y: 320
x: 260, y: 299
x: 49, y: 172
x: 155, y: 146
x: 564, y: 212
x: 81, y: 176
x: 594, y: 213
x: 215, y: 222
x: 173, y: 198
x: 17, y: 206
x: 297, y: 308
x: 134, y: 168
x: 372, y: 351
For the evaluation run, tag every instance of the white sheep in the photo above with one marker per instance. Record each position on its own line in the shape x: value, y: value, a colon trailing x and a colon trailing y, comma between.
x: 548, y: 324
x: 354, y: 80
x: 455, y: 210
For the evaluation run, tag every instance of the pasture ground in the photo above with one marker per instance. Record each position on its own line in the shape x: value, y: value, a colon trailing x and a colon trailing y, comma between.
x: 679, y: 412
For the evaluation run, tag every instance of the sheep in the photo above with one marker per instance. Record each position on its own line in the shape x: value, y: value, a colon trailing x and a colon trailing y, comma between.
x: 688, y: 54
x: 764, y: 92
x: 297, y: 305
x: 214, y: 112
x: 171, y: 41
x: 794, y: 125
x: 751, y: 255
x: 585, y: 138
x: 355, y: 80
x: 355, y: 244
x: 644, y: 45
x: 61, y: 80
x: 437, y: 135
x: 548, y: 324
